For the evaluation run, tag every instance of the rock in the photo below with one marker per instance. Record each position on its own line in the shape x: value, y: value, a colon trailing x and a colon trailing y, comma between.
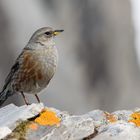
x: 4, y: 131
x: 11, y: 113
x: 72, y: 127
x: 28, y: 122
x: 119, y: 131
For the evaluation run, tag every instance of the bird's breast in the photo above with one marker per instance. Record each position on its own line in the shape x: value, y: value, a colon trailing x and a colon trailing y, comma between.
x: 48, y: 59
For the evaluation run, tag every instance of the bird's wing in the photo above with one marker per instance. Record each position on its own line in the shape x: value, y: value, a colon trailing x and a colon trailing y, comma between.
x: 27, y: 69
x: 14, y: 68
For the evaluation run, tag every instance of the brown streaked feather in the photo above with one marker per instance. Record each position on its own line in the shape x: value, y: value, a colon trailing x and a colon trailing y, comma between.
x: 35, y: 70
x: 28, y: 61
x: 39, y: 74
x: 29, y: 72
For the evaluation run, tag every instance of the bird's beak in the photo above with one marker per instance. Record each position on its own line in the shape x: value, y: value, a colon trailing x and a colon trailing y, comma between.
x: 56, y: 32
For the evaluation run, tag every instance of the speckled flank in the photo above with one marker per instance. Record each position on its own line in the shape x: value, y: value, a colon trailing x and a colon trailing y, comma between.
x: 36, y: 70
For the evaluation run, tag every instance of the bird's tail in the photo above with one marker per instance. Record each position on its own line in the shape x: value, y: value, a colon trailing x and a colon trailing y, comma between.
x: 4, y: 95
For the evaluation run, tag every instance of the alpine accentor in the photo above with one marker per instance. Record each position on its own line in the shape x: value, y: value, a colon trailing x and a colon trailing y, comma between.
x: 34, y: 67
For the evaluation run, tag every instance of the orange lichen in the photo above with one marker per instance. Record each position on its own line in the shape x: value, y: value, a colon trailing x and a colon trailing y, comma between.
x: 135, y: 118
x: 48, y: 117
x: 110, y: 117
x: 33, y: 126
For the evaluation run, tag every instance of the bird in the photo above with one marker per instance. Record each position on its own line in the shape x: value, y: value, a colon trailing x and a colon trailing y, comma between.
x: 34, y: 67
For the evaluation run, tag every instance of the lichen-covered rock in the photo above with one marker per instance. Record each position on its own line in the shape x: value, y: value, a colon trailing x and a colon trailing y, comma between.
x: 11, y: 113
x: 119, y: 131
x: 72, y: 128
x: 36, y: 122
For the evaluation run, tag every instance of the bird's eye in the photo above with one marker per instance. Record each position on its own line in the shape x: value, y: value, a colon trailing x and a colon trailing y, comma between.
x: 48, y: 33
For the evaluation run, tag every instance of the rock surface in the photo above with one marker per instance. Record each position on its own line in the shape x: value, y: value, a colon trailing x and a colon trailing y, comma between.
x: 19, y: 123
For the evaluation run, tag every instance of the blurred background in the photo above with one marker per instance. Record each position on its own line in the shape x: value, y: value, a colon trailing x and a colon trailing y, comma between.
x: 99, y: 52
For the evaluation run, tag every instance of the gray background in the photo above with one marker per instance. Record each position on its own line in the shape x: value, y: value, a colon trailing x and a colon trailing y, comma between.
x: 98, y: 65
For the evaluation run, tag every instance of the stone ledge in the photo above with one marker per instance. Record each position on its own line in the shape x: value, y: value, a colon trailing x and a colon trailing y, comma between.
x: 20, y: 123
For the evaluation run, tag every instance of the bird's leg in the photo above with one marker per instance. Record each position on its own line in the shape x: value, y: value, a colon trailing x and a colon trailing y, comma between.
x: 25, y: 100
x: 37, y: 98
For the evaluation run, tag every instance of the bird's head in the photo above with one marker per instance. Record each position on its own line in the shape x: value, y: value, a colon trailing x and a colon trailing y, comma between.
x: 45, y: 35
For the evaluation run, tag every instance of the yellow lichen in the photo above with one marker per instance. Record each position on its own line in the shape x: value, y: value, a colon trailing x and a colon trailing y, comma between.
x: 48, y: 117
x: 135, y: 118
x: 33, y: 126
x: 110, y: 117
